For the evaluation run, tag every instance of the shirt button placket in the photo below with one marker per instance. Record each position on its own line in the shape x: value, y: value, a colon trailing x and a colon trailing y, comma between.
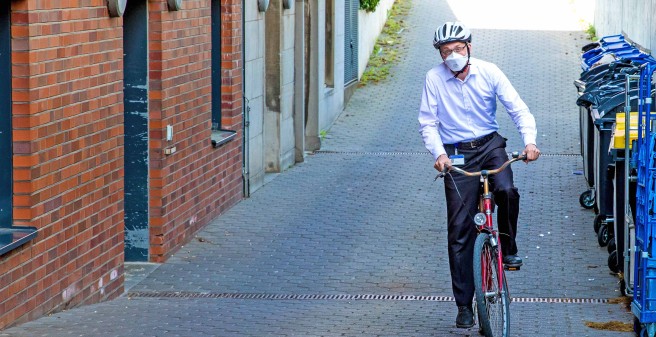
x: 468, y: 106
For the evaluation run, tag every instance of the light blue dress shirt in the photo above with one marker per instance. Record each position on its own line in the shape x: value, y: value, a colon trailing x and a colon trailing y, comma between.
x: 454, y: 110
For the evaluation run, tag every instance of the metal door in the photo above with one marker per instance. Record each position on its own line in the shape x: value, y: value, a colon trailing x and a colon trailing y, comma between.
x: 135, y: 101
x: 351, y: 40
x: 5, y: 116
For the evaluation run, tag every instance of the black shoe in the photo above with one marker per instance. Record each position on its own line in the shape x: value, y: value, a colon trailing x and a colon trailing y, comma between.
x: 512, y: 261
x: 465, y: 317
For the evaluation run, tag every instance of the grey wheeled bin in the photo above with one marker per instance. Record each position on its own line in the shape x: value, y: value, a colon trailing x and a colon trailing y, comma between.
x: 603, y: 117
x: 603, y: 171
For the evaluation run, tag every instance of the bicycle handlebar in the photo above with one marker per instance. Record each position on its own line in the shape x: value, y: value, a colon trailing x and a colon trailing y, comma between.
x: 515, y: 157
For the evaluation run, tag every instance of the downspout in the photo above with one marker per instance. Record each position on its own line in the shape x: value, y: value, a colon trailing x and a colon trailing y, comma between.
x: 245, y: 109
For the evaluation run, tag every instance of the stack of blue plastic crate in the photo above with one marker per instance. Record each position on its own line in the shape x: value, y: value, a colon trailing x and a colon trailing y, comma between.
x: 618, y: 47
x: 644, y: 160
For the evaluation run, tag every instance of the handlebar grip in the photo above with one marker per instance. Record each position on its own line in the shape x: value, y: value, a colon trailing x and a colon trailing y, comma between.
x: 517, y: 155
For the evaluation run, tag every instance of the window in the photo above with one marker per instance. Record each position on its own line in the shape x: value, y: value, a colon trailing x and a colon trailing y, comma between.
x: 10, y: 236
x: 219, y: 135
x: 330, y: 76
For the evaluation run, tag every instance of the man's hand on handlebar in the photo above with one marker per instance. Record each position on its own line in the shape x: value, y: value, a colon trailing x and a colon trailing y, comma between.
x: 531, y: 152
x: 442, y: 163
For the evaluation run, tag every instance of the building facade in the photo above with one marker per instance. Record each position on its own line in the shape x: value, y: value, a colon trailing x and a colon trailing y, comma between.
x: 126, y: 126
x: 302, y: 62
x: 120, y: 136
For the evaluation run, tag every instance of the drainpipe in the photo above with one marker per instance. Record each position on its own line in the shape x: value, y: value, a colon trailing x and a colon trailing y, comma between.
x: 245, y: 108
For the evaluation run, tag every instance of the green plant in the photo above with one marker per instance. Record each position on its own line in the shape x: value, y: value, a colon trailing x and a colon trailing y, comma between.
x: 592, y: 32
x: 322, y: 134
x: 369, y: 5
x: 388, y: 47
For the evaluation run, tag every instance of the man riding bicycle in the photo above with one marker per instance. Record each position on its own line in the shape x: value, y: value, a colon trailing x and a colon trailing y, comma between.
x: 457, y: 118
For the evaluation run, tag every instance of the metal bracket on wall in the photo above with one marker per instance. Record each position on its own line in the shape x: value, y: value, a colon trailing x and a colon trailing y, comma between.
x: 116, y: 7
x: 262, y: 5
x: 174, y: 5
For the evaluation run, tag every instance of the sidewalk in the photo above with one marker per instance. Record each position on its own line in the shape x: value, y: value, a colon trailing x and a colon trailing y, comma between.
x: 352, y: 242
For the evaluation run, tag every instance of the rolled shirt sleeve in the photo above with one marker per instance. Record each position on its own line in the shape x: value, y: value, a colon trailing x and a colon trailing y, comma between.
x: 517, y: 109
x: 428, y: 120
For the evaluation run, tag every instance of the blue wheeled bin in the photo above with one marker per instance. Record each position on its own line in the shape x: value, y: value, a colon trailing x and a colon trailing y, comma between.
x: 643, y: 305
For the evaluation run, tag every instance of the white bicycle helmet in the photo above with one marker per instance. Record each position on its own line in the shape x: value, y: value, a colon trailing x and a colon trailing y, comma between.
x: 450, y: 32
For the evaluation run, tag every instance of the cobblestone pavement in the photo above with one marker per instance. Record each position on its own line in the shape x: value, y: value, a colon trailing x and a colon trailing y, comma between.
x: 352, y: 242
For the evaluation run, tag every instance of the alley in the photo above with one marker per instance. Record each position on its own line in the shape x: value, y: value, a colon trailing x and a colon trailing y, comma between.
x: 352, y: 242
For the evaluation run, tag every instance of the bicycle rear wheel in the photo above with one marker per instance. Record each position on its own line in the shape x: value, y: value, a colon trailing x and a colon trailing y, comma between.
x: 492, y: 303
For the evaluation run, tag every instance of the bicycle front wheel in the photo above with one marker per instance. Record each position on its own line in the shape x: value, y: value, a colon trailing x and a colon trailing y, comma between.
x: 492, y: 303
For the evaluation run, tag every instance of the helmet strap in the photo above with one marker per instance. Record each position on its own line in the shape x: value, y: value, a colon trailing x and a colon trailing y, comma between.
x: 457, y: 73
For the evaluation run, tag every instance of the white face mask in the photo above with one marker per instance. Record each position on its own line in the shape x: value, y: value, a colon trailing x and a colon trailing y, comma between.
x: 456, y: 61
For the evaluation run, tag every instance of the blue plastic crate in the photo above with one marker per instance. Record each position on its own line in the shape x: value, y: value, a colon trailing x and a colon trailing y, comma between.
x: 612, y: 39
x: 644, y: 160
x: 644, y: 294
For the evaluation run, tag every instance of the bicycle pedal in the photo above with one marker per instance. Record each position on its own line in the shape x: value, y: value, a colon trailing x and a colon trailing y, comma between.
x: 512, y: 268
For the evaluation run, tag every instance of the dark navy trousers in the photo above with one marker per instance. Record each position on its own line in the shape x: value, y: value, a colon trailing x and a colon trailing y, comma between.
x: 462, y: 196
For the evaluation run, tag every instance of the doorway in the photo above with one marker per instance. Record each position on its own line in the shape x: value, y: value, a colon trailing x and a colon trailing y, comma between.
x: 135, y: 102
x: 351, y: 41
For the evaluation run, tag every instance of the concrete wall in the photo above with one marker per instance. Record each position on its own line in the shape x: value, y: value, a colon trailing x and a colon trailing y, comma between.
x: 285, y: 154
x: 254, y: 28
x: 633, y: 17
x: 279, y: 44
x: 331, y: 99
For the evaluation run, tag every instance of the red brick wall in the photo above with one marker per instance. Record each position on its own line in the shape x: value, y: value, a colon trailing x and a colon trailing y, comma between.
x: 198, y: 182
x: 68, y: 145
x: 68, y: 158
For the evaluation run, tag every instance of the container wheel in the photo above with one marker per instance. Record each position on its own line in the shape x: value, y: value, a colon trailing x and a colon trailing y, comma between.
x: 587, y: 199
x: 598, y: 222
x: 603, y: 236
x: 612, y: 262
x: 637, y: 327
x: 612, y: 246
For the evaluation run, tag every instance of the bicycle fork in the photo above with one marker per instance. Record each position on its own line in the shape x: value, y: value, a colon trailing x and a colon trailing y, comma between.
x: 489, y: 225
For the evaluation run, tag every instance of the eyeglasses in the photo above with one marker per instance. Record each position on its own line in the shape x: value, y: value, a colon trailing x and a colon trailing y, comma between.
x: 446, y: 52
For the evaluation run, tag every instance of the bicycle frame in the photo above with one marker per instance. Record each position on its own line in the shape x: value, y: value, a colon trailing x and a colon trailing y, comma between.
x: 486, y: 196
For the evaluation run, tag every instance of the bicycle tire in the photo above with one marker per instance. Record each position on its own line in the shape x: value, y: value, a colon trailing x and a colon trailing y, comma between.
x: 493, y: 305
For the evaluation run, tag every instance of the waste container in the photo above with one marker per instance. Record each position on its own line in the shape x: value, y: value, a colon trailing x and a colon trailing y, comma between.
x: 603, y: 169
x: 586, y: 139
x: 595, y: 85
x: 603, y: 118
x: 617, y: 246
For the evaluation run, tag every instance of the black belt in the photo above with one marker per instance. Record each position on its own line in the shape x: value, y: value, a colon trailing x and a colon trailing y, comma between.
x: 474, y: 143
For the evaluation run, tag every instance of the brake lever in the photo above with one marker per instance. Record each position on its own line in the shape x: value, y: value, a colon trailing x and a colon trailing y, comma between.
x: 441, y: 174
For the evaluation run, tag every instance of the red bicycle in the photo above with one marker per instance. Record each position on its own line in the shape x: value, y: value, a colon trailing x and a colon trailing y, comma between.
x: 492, y: 296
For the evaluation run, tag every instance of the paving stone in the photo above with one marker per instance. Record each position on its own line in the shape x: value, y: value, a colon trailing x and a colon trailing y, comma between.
x: 364, y: 216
